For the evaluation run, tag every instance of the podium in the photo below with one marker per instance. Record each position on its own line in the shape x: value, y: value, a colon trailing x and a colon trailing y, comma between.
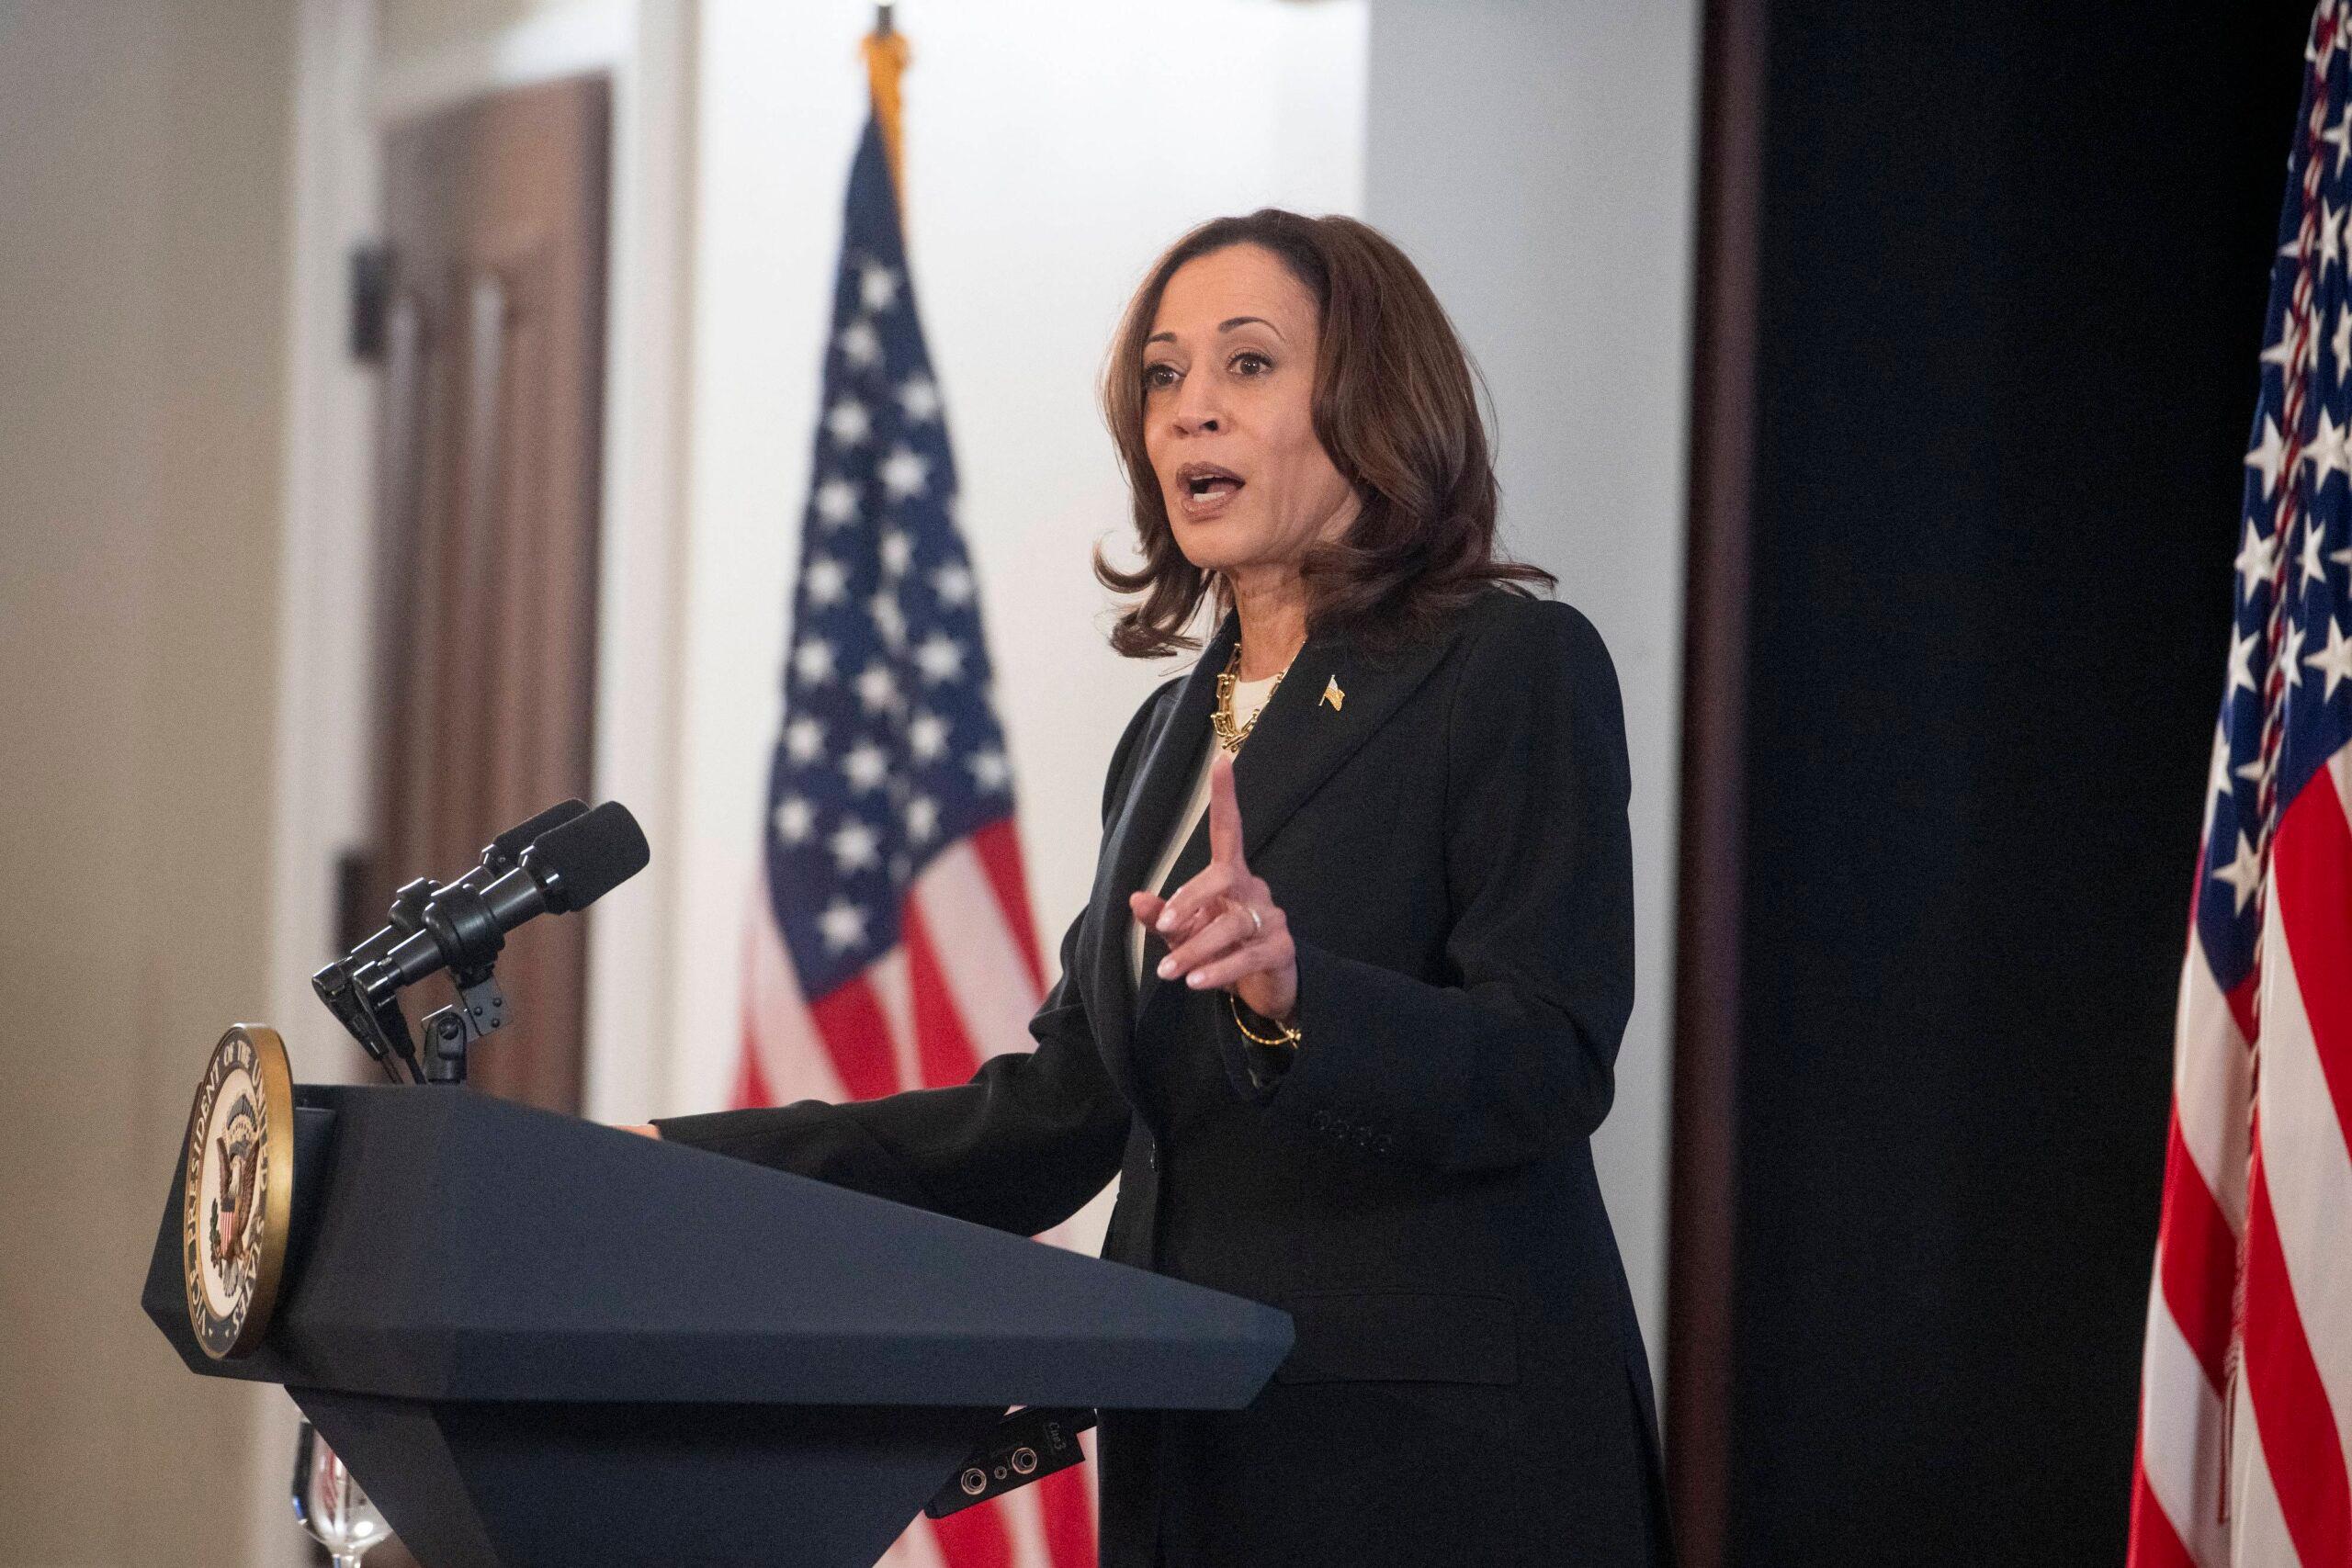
x: 538, y: 1340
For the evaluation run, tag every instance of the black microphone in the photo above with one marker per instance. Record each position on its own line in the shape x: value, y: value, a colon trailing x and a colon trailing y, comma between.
x: 502, y: 854
x: 498, y: 857
x: 338, y: 984
x: 566, y: 868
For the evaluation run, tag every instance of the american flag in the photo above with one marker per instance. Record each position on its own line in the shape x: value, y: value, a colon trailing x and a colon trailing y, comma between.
x: 890, y: 946
x: 2246, y: 1382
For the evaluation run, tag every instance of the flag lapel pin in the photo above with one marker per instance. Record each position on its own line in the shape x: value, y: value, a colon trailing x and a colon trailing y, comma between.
x: 1332, y: 695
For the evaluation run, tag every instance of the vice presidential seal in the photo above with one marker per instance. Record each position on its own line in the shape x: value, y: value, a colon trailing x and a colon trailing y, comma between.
x: 238, y: 1179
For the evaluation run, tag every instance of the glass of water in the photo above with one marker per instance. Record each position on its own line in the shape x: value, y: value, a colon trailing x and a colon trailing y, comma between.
x: 330, y: 1504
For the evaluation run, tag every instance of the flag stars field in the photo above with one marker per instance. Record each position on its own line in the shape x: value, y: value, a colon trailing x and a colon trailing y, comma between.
x: 2243, y: 870
x: 941, y: 658
x: 2325, y: 453
x: 877, y: 688
x: 2281, y: 349
x: 2266, y: 455
x: 990, y: 769
x: 861, y: 345
x: 927, y: 737
x: 2335, y: 660
x: 953, y: 585
x: 905, y: 474
x: 2339, y: 136
x: 2242, y: 661
x: 813, y: 661
x: 843, y: 925
x: 856, y: 845
x: 919, y: 398
x: 889, y: 620
x: 836, y: 502
x: 825, y: 580
x: 878, y: 287
x: 848, y: 422
x: 866, y: 766
x: 2255, y: 559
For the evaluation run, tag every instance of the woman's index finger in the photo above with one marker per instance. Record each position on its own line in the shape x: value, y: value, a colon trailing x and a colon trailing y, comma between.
x: 1225, y: 811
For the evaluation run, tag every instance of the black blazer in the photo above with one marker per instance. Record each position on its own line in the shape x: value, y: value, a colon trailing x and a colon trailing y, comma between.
x: 1449, y: 840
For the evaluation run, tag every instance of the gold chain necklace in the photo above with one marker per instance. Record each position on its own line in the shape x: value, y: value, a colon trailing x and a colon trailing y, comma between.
x: 1228, y: 735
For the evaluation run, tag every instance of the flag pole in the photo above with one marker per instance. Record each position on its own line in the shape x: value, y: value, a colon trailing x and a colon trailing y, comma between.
x: 886, y: 59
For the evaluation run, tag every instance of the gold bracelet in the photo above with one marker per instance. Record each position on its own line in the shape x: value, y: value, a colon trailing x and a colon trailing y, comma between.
x: 1289, y: 1036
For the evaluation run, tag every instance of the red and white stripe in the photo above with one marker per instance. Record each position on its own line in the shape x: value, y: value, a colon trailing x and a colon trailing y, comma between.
x: 2252, y: 1470
x: 2246, y: 1408
x: 960, y: 986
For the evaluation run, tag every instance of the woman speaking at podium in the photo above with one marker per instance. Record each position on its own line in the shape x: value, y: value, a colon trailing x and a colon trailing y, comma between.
x: 1341, y: 1011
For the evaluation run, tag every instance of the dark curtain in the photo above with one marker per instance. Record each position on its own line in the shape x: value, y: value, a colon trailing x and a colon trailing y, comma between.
x: 2011, y: 287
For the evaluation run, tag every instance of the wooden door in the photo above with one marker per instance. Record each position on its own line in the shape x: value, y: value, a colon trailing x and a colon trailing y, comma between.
x: 489, y: 477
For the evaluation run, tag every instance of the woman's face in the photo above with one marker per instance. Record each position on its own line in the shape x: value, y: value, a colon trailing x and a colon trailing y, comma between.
x: 1228, y: 375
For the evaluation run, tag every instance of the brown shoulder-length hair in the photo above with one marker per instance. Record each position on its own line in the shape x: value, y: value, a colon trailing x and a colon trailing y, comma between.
x: 1394, y: 406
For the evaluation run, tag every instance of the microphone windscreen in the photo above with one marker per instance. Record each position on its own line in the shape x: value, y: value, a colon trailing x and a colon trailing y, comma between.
x: 508, y: 847
x: 587, y: 857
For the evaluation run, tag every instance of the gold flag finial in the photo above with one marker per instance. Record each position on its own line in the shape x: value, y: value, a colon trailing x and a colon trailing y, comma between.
x: 885, y: 60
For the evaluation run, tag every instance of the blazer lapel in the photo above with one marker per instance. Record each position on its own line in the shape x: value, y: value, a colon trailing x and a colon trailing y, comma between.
x: 1143, y: 822
x: 1334, y: 697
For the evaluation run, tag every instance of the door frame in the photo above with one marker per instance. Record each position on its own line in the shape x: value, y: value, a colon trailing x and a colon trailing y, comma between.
x: 344, y: 95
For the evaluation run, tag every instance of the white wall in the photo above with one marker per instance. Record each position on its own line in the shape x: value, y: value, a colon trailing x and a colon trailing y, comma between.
x: 1536, y: 161
x: 1052, y: 148
x: 144, y: 151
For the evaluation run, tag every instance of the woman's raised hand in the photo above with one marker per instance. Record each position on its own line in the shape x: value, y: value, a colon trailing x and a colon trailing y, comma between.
x: 1211, y: 940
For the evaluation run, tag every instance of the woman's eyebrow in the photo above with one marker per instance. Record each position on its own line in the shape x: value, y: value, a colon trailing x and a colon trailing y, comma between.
x: 1225, y: 326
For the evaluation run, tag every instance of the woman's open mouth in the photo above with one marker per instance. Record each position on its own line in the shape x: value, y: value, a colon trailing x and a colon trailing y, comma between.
x: 1206, y: 490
